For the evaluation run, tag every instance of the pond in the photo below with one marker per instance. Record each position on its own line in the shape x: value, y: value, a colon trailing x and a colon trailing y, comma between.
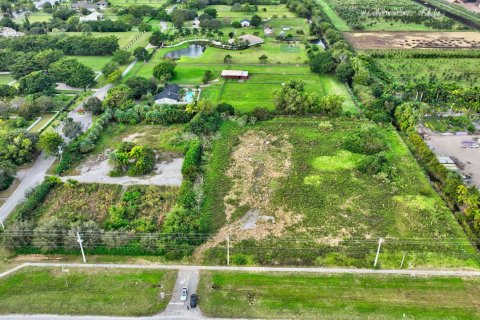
x: 193, y: 51
x: 318, y: 42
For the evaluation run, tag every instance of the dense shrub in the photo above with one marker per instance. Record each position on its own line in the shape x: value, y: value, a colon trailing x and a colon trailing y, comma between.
x: 191, y: 163
x: 369, y: 140
x: 34, y: 199
x: 204, y: 123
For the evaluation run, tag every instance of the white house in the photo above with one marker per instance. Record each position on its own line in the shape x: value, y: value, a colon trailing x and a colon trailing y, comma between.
x: 102, y: 5
x: 10, y: 33
x: 94, y: 16
x: 245, y: 23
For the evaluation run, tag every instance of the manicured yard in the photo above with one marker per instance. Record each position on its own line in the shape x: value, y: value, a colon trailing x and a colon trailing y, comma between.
x: 127, y: 3
x: 260, y: 89
x: 338, y: 22
x: 39, y: 16
x: 124, y: 38
x: 94, y: 62
x: 327, y: 211
x: 301, y: 296
x: 271, y: 10
x: 86, y: 292
x: 45, y: 119
x: 5, y: 78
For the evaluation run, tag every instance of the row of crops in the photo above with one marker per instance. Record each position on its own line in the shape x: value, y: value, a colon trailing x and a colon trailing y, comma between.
x: 360, y: 14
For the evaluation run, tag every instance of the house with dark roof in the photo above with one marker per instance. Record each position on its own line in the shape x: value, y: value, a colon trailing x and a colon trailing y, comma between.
x: 245, y: 23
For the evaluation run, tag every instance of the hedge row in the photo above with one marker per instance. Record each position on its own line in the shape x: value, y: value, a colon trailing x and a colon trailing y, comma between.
x: 26, y: 208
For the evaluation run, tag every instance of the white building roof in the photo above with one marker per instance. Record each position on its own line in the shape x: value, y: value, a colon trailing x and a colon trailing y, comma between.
x: 234, y: 73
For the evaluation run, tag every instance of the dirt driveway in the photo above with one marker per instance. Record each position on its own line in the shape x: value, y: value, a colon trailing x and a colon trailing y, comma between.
x: 165, y: 173
x: 451, y: 146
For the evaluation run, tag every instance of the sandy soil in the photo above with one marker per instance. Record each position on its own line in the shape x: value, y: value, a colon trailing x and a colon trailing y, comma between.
x: 413, y: 40
x: 166, y: 173
x: 451, y: 146
x: 256, y: 163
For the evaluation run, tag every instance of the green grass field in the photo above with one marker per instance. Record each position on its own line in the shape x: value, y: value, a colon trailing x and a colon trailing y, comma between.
x: 279, y: 11
x: 86, y: 292
x: 39, y: 16
x: 338, y: 22
x: 126, y: 3
x: 301, y: 296
x: 457, y: 70
x: 327, y: 211
x: 124, y: 38
x: 5, y: 78
x: 260, y: 89
x: 265, y: 80
x: 94, y: 62
x: 42, y: 122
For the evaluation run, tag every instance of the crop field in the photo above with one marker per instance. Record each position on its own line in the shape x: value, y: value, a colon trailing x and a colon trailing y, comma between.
x: 375, y: 15
x: 413, y: 40
x: 326, y: 211
x: 86, y: 292
x: 460, y: 70
x: 300, y: 296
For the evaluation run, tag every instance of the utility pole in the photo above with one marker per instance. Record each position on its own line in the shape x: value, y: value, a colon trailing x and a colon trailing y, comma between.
x: 380, y: 241
x: 1, y: 223
x: 80, y: 242
x: 403, y: 259
x: 228, y: 250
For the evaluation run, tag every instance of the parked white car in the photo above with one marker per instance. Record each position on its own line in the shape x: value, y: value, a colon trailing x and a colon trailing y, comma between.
x: 184, y: 294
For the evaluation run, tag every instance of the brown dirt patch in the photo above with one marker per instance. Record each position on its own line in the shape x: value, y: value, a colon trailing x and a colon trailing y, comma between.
x: 413, y: 40
x: 256, y: 163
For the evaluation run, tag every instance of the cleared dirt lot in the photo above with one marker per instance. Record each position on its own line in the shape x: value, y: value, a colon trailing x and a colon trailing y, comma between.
x: 413, y: 40
x: 451, y: 146
x: 165, y: 173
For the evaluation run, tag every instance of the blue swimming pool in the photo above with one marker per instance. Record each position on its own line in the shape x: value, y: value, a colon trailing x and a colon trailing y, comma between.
x: 189, y: 96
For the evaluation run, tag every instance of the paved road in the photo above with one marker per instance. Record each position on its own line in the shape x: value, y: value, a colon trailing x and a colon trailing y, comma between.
x: 188, y: 276
x: 130, y: 66
x: 176, y: 307
x: 419, y: 272
x: 34, y: 175
x: 29, y: 178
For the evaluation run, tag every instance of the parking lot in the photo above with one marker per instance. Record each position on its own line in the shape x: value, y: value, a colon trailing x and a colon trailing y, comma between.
x: 451, y: 146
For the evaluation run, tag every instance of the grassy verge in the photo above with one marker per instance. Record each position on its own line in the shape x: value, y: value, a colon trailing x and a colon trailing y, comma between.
x: 92, y: 292
x: 297, y: 296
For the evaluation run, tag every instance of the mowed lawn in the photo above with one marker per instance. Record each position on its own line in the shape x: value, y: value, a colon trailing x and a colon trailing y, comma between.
x: 264, y: 11
x: 86, y: 292
x: 94, y: 62
x: 263, y: 85
x: 338, y: 22
x: 124, y: 38
x: 345, y: 296
x: 127, y: 3
x: 5, y: 78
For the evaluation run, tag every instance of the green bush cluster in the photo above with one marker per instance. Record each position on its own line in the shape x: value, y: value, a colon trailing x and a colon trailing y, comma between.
x: 132, y: 160
x: 191, y: 163
x: 25, y: 209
